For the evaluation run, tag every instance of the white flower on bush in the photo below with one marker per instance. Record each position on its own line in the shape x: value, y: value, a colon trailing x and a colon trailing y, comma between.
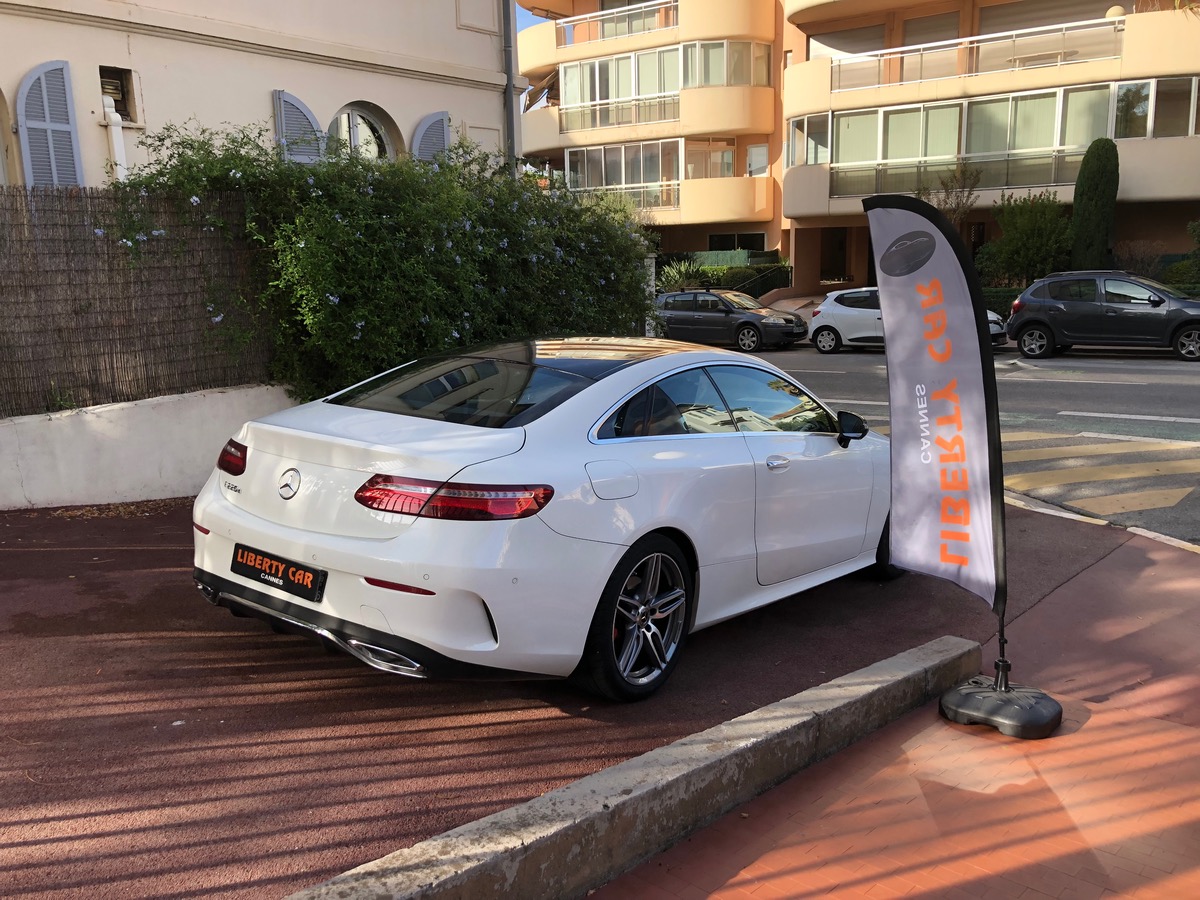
x: 195, y: 200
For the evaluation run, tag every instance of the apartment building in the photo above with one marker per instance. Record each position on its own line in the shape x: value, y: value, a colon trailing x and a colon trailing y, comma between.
x: 82, y: 80
x: 763, y: 123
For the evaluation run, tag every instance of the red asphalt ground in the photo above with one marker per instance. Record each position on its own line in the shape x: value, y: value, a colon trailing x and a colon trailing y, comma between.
x: 1108, y: 806
x: 155, y: 746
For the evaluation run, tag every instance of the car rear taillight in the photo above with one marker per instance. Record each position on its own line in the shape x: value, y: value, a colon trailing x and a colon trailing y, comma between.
x: 438, y: 500
x: 1017, y: 304
x: 816, y: 312
x: 232, y: 458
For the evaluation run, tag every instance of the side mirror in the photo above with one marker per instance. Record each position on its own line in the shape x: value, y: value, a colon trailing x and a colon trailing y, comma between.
x: 851, y: 427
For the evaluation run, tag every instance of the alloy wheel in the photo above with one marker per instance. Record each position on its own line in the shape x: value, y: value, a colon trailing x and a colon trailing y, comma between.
x: 650, y: 617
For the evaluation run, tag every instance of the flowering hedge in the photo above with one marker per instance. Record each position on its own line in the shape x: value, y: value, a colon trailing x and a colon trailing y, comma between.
x: 364, y: 265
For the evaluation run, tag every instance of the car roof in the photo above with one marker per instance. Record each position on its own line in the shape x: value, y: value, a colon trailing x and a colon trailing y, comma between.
x: 1092, y: 272
x: 591, y: 357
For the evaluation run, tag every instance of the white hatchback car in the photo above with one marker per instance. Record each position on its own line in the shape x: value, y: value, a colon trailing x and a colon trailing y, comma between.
x: 542, y: 508
x: 852, y: 318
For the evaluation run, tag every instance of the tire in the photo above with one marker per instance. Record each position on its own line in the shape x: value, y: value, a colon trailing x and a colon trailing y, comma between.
x: 826, y: 340
x: 883, y: 570
x: 635, y: 639
x: 1186, y: 342
x: 748, y: 339
x: 1035, y: 342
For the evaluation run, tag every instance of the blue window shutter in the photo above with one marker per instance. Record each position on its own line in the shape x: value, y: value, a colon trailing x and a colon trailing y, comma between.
x: 432, y: 135
x: 46, y: 126
x: 296, y: 129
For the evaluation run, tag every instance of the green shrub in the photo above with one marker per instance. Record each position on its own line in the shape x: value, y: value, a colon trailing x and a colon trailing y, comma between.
x: 1034, y: 241
x: 680, y: 274
x: 365, y: 265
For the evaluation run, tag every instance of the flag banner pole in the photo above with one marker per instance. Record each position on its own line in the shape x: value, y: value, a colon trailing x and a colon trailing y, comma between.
x: 947, y: 513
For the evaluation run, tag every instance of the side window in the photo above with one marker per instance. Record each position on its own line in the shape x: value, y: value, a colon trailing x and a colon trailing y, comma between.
x: 708, y: 303
x: 762, y: 402
x: 698, y: 402
x: 1077, y: 290
x: 686, y: 403
x: 861, y: 300
x: 1119, y: 291
x: 679, y: 303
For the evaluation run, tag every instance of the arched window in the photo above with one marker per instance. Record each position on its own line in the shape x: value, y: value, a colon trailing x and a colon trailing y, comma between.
x: 367, y: 131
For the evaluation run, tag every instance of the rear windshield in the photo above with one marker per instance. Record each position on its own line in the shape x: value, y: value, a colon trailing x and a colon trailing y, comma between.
x: 493, y: 393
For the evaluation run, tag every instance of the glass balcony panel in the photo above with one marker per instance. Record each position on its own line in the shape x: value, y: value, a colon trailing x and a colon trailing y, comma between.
x: 617, y: 23
x: 849, y: 182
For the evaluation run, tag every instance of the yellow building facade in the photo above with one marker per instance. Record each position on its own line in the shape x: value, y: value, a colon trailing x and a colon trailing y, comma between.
x: 762, y: 124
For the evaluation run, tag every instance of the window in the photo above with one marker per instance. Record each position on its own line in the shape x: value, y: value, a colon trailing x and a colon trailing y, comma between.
x: 361, y: 133
x: 987, y: 125
x: 1033, y: 120
x: 118, y: 84
x: 1118, y: 291
x: 1085, y: 115
x: 762, y: 402
x: 757, y: 162
x: 712, y: 158
x: 902, y: 133
x: 943, y: 125
x: 856, y: 137
x: 745, y: 240
x: 851, y: 41
x: 1133, y: 110
x: 686, y: 403
x: 1172, y: 107
x: 1072, y: 290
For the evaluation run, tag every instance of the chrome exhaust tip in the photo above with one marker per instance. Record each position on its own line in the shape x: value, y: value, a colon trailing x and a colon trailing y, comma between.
x: 209, y: 594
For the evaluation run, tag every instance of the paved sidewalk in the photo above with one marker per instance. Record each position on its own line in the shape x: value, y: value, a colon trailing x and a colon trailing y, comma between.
x: 1109, y: 806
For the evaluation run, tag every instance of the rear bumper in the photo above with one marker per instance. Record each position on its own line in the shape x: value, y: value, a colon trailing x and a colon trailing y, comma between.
x: 378, y: 649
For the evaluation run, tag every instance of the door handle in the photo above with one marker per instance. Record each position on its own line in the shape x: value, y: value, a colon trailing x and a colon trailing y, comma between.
x: 778, y: 462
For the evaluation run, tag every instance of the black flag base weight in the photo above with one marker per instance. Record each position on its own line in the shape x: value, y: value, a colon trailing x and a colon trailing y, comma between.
x: 1012, y: 709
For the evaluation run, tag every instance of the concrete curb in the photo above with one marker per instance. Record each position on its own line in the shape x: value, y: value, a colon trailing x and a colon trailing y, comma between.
x: 582, y: 835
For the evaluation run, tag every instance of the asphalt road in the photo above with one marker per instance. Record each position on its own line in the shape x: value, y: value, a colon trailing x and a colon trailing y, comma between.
x: 155, y: 746
x: 1108, y: 433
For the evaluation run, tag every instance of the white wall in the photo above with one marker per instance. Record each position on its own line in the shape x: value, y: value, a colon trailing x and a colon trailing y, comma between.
x: 120, y: 452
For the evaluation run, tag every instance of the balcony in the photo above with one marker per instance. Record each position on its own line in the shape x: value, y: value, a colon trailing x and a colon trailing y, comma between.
x: 542, y: 47
x: 615, y: 113
x: 700, y: 201
x: 724, y: 111
x: 1030, y: 48
x: 1041, y: 168
x: 617, y: 23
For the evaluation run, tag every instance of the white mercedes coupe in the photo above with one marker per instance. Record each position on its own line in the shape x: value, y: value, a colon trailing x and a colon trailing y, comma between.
x: 567, y: 507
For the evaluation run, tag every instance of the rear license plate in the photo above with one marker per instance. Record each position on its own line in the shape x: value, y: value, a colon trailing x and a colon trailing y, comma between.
x: 297, y: 579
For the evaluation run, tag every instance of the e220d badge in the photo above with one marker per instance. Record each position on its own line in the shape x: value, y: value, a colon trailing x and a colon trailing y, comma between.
x: 908, y: 253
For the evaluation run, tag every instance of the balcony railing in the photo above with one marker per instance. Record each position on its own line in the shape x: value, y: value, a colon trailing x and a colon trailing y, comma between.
x: 1056, y: 45
x: 615, y: 23
x: 613, y: 113
x: 1041, y: 168
x: 660, y: 195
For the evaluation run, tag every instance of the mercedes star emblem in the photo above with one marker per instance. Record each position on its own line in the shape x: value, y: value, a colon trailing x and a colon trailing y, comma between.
x: 289, y: 484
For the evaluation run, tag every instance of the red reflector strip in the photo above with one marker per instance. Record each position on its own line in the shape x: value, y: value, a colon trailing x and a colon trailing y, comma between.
x: 200, y: 528
x: 394, y: 586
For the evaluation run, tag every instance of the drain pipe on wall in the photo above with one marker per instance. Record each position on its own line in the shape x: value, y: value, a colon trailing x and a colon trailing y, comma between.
x: 510, y: 100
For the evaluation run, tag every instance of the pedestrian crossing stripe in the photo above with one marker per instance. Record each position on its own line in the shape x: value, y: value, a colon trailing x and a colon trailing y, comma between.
x: 1079, y: 475
x: 1068, y: 452
x: 1135, y: 501
x: 1014, y: 437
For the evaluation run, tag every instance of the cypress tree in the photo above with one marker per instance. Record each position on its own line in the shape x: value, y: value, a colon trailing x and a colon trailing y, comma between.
x: 1094, y: 218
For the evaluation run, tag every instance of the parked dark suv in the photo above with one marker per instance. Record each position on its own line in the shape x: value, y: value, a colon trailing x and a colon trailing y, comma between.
x: 1103, y: 307
x: 720, y: 316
